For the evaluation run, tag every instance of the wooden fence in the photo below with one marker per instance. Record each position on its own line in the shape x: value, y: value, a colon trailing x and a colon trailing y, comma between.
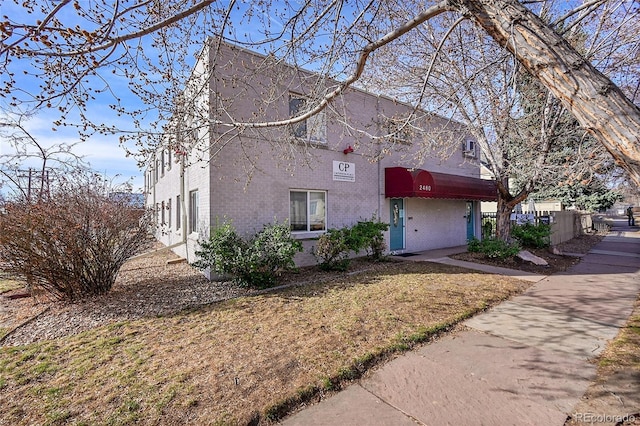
x: 565, y: 225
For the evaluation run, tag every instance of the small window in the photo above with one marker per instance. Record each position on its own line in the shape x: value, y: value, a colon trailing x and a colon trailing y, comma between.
x: 162, y: 163
x: 469, y: 148
x: 399, y: 132
x: 307, y: 211
x: 169, y: 213
x: 169, y: 159
x: 178, y: 213
x: 314, y: 128
x: 162, y: 215
x: 156, y: 171
x: 193, y: 211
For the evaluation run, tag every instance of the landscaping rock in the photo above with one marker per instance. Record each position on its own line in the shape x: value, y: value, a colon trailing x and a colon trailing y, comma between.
x: 555, y: 250
x: 530, y: 257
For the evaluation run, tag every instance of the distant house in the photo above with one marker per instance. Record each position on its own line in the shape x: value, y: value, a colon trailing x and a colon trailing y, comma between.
x: 355, y: 160
x: 134, y: 199
x: 491, y: 207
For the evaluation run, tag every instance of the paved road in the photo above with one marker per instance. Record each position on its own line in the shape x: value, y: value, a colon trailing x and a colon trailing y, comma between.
x: 525, y: 362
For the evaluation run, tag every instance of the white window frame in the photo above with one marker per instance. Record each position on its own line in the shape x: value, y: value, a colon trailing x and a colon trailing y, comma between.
x: 178, y: 213
x: 194, y: 208
x: 398, y: 132
x: 309, y: 208
x: 314, y: 127
x: 169, y: 213
x: 469, y: 148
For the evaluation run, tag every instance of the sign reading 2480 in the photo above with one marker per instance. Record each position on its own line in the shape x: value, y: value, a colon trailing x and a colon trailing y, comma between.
x: 426, y: 188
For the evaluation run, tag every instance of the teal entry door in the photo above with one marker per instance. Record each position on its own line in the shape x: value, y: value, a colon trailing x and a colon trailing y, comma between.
x: 396, y: 227
x: 470, y: 220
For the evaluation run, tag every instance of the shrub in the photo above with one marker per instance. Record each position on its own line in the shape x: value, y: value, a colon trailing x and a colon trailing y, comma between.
x: 72, y: 242
x: 253, y: 263
x: 269, y: 253
x: 334, y: 246
x: 532, y: 236
x: 474, y: 245
x: 332, y: 250
x: 368, y: 235
x: 493, y: 248
x: 221, y: 251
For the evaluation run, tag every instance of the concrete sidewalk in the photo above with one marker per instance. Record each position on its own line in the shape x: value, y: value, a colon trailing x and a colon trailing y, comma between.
x: 525, y: 362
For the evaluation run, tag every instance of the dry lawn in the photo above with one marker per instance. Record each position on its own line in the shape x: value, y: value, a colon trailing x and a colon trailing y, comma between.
x: 616, y: 390
x: 8, y: 285
x: 250, y: 359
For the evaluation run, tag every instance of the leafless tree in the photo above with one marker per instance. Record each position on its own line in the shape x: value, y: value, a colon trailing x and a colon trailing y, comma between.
x: 27, y: 165
x: 79, y: 51
x: 526, y: 135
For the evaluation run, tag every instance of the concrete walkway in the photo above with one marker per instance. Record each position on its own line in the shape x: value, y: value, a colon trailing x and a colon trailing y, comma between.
x: 525, y: 362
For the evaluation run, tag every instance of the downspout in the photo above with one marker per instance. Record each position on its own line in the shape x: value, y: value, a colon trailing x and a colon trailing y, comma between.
x: 155, y: 183
x: 378, y: 154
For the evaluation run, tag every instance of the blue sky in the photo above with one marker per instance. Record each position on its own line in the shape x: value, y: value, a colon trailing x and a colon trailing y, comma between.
x: 103, y: 152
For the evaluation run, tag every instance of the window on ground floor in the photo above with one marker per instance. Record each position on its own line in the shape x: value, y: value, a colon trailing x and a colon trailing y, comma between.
x: 169, y: 213
x: 193, y: 211
x: 307, y: 210
x: 178, y: 213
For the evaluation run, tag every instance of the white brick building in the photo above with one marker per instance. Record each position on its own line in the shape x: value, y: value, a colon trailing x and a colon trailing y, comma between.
x: 357, y: 159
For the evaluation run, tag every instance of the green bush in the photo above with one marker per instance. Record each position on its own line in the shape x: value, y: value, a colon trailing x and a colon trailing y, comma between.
x: 269, y: 253
x: 532, y: 236
x: 334, y: 246
x: 253, y: 263
x: 368, y: 235
x: 222, y: 251
x: 332, y: 250
x: 493, y: 248
x: 474, y: 245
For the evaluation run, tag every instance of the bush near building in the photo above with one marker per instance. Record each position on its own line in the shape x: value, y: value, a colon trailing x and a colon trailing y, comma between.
x: 333, y: 248
x: 252, y: 263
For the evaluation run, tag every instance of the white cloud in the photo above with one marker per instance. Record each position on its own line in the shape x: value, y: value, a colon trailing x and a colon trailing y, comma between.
x: 102, y: 153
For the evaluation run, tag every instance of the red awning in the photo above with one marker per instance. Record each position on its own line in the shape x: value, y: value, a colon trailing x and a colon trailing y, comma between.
x: 402, y: 183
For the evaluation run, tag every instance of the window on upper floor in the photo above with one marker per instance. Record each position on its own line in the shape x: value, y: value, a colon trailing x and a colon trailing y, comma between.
x: 399, y: 131
x: 307, y: 210
x: 469, y: 148
x: 314, y: 128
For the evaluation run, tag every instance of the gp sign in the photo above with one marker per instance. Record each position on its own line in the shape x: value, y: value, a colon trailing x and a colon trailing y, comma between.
x: 343, y: 171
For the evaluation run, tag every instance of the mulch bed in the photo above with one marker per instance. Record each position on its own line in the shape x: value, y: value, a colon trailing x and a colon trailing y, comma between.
x: 557, y: 263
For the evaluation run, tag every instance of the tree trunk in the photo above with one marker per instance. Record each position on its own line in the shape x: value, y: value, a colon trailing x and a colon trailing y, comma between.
x: 503, y: 219
x: 506, y: 203
x: 597, y: 103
